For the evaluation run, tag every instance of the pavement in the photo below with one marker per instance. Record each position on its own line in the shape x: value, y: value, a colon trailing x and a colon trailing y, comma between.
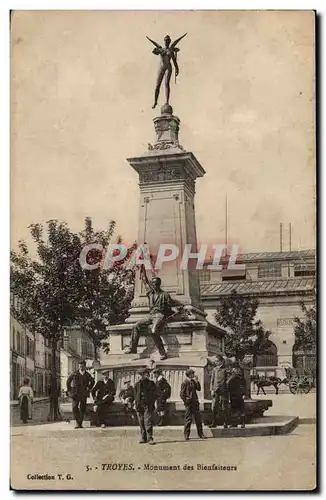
x: 91, y: 459
x: 301, y: 405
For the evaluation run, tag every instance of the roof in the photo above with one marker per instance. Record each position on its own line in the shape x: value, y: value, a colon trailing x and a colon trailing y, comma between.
x: 272, y: 256
x: 259, y: 287
x: 303, y: 254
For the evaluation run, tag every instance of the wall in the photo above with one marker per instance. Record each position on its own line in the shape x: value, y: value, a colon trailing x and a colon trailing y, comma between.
x: 276, y: 314
x: 279, y: 319
x: 76, y: 346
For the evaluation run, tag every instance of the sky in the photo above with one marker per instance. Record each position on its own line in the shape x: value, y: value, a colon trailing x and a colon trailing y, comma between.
x: 82, y: 85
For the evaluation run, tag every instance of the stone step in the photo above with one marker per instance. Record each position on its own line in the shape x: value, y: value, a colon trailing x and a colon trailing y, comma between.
x: 265, y: 426
x: 174, y: 414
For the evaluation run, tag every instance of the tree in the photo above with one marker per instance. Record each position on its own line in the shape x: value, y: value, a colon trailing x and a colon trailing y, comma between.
x: 47, y: 289
x: 106, y: 294
x: 244, y: 333
x: 305, y: 329
x: 54, y: 291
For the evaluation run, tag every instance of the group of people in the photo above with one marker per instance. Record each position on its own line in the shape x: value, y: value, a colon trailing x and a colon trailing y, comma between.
x: 227, y: 384
x: 227, y: 387
x: 142, y: 397
x: 228, y: 390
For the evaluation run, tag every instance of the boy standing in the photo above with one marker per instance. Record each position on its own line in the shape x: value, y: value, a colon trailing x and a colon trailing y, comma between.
x: 189, y: 396
x: 103, y: 394
x: 145, y: 396
x: 163, y: 392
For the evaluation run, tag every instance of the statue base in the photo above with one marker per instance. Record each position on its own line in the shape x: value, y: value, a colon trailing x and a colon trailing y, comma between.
x: 188, y: 344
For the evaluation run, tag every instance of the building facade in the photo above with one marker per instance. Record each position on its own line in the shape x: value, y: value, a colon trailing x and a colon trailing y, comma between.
x: 75, y: 346
x: 280, y: 280
x: 22, y: 356
x: 30, y: 356
x: 43, y: 364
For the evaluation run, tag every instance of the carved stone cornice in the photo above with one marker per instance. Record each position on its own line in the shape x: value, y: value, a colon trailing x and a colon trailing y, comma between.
x: 161, y: 174
x: 161, y: 146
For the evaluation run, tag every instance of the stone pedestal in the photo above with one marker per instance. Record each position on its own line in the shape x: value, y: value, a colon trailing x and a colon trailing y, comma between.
x: 167, y: 176
x: 188, y: 345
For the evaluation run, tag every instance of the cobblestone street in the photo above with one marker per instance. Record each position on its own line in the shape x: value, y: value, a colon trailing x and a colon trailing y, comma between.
x: 270, y: 462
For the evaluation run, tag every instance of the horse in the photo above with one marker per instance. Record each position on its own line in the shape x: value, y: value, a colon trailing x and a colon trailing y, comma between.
x: 267, y: 382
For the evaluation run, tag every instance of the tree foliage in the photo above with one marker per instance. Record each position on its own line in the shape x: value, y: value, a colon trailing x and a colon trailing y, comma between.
x: 106, y: 294
x: 244, y: 333
x: 54, y: 291
x: 305, y: 330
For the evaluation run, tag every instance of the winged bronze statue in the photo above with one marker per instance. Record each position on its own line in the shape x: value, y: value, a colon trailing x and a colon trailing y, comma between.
x: 168, y: 52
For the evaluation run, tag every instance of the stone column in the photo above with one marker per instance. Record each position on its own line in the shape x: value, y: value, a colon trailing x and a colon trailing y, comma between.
x: 167, y: 175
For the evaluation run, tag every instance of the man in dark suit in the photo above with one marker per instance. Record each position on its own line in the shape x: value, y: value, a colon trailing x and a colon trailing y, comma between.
x: 237, y: 389
x: 103, y: 394
x: 219, y: 392
x: 145, y: 397
x: 163, y: 392
x: 189, y: 396
x: 79, y: 385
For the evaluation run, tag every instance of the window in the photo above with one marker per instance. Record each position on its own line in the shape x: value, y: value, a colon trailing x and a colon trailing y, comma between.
x: 204, y: 275
x: 86, y: 349
x: 269, y: 358
x: 21, y: 374
x: 13, y: 338
x: 29, y: 348
x: 270, y: 270
x: 304, y: 270
x: 233, y: 275
x: 38, y: 384
x: 20, y: 343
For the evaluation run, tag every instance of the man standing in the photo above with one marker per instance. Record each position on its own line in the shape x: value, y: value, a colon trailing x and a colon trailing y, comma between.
x: 163, y: 392
x: 189, y: 396
x: 145, y: 396
x: 103, y: 394
x: 237, y: 389
x: 219, y: 391
x: 79, y: 385
x: 160, y: 304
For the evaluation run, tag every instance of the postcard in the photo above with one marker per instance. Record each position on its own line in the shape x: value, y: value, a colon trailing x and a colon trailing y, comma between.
x: 163, y: 250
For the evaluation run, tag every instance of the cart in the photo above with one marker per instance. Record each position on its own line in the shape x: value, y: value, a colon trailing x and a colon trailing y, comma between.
x: 299, y: 383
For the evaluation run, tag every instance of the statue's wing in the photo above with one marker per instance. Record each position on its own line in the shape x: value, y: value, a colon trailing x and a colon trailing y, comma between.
x: 154, y: 43
x: 173, y: 45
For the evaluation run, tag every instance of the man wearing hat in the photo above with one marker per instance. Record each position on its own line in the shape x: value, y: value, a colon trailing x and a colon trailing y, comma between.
x: 79, y: 385
x: 219, y: 392
x: 163, y: 392
x: 145, y: 397
x: 189, y: 396
x: 103, y: 394
x: 237, y: 389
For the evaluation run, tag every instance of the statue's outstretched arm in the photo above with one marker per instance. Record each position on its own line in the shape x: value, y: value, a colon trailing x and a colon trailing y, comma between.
x: 154, y: 43
x: 175, y: 43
